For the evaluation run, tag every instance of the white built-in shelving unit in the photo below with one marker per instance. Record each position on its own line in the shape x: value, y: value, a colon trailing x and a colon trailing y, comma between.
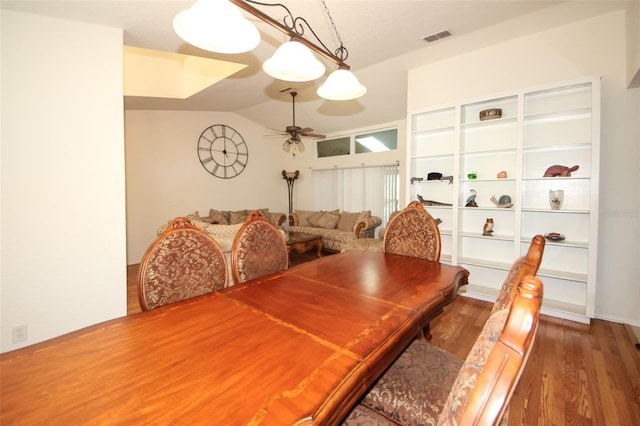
x: 538, y: 128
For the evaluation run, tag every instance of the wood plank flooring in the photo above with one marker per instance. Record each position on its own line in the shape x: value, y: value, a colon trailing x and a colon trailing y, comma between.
x: 577, y: 374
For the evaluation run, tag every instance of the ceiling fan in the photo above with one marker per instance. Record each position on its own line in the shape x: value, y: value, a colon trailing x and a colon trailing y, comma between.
x: 296, y: 133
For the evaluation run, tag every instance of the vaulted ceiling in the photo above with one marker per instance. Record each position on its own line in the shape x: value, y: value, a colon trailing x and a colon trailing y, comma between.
x: 383, y: 37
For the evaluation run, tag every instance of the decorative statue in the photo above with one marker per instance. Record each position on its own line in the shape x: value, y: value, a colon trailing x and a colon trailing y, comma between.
x: 504, y: 201
x: 471, y: 201
x: 562, y: 171
x: 487, y: 230
x: 430, y: 202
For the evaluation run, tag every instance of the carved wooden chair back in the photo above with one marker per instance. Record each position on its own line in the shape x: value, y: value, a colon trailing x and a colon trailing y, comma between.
x: 183, y: 262
x: 259, y: 248
x: 486, y: 382
x: 413, y: 232
x: 523, y: 266
x: 429, y: 385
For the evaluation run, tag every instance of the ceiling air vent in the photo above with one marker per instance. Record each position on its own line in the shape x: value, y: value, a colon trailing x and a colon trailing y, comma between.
x: 436, y: 36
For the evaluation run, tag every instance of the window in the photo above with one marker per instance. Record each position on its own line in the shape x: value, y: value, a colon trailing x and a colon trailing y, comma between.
x: 385, y: 140
x: 355, y: 189
x: 334, y: 147
x: 380, y: 141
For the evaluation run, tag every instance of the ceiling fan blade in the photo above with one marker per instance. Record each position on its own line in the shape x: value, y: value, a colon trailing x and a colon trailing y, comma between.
x: 306, y: 129
x: 313, y: 135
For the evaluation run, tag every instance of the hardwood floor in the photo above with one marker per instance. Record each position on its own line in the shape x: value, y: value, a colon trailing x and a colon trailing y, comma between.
x: 577, y: 374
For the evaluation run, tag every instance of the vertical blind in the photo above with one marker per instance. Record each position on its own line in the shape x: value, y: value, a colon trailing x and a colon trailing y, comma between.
x: 355, y: 189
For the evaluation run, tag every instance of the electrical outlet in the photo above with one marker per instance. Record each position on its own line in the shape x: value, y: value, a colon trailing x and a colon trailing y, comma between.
x: 19, y: 333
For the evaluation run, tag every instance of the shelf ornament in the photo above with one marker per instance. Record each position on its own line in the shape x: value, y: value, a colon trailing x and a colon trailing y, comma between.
x: 560, y: 171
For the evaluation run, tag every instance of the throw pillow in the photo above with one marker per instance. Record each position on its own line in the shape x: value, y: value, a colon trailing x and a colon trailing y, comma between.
x: 347, y: 221
x: 327, y: 220
x: 265, y: 213
x: 193, y: 216
x: 313, y: 220
x: 362, y: 216
x: 237, y: 217
x: 216, y: 216
x: 303, y: 217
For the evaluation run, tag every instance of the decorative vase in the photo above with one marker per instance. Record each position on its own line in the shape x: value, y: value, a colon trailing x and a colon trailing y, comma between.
x: 556, y: 197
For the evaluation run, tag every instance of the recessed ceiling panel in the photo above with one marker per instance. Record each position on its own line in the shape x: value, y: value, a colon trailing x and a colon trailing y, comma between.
x: 157, y: 74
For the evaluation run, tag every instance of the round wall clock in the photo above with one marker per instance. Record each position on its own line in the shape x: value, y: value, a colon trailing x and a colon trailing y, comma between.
x: 222, y: 151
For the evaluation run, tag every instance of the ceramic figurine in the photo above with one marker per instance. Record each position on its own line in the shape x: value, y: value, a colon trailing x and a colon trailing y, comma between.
x: 504, y: 201
x: 430, y: 202
x: 487, y: 231
x: 562, y: 171
x: 502, y: 174
x: 471, y: 201
x: 556, y: 198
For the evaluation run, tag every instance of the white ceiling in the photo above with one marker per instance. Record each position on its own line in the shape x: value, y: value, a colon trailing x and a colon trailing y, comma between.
x: 374, y: 31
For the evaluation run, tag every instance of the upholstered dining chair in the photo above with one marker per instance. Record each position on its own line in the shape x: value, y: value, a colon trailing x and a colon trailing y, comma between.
x: 183, y: 262
x: 413, y: 232
x: 521, y: 267
x: 259, y: 248
x: 428, y: 385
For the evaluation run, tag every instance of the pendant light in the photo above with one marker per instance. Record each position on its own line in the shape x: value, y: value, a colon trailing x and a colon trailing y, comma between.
x: 293, y: 61
x: 216, y: 26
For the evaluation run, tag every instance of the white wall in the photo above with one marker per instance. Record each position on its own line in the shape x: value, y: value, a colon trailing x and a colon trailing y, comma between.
x: 63, y: 263
x: 594, y: 46
x: 165, y: 178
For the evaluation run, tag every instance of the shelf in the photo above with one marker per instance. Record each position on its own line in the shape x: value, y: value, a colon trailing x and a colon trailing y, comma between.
x: 488, y: 152
x: 504, y: 121
x: 497, y: 209
x: 488, y: 180
x: 558, y: 179
x: 558, y: 115
x: 497, y: 237
x: 529, y: 149
x: 485, y: 263
x: 433, y: 157
x: 563, y: 243
x: 563, y: 275
x: 540, y: 127
x: 548, y: 210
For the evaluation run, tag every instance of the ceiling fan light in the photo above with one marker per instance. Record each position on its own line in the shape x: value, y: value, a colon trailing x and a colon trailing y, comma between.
x: 286, y: 146
x: 216, y: 26
x: 341, y: 85
x: 293, y: 61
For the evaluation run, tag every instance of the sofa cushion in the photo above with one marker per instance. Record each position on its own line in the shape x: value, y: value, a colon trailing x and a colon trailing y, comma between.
x: 325, y: 220
x: 216, y: 216
x: 236, y: 217
x: 347, y: 221
x: 303, y: 217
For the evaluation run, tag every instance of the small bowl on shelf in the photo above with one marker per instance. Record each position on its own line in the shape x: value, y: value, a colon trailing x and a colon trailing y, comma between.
x: 554, y: 236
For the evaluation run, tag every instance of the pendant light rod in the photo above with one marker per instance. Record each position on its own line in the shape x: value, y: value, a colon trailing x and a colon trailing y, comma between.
x: 296, y: 31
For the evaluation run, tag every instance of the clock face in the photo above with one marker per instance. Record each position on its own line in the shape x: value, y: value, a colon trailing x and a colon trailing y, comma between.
x: 222, y: 151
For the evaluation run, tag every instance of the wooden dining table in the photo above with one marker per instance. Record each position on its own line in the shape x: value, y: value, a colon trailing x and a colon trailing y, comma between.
x: 295, y: 347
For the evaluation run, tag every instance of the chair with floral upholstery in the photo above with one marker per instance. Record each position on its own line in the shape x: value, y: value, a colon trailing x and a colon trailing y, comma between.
x: 259, y: 249
x: 523, y: 266
x: 183, y: 262
x: 413, y: 232
x: 428, y: 385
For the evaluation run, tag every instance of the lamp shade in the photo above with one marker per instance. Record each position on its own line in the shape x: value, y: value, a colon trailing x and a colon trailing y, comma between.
x: 341, y: 85
x: 293, y: 61
x: 216, y: 26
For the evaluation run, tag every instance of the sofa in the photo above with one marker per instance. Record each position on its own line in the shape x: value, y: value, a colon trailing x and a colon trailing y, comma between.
x: 223, y: 225
x: 336, y: 228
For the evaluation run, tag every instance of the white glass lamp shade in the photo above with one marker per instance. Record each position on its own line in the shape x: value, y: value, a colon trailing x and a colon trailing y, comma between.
x: 216, y: 26
x: 341, y: 85
x: 293, y: 61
